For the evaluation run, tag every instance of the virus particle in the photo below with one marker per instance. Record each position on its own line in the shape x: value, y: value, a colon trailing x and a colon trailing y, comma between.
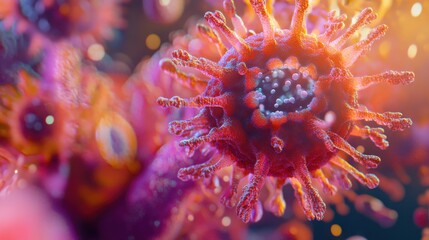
x: 82, y: 22
x: 282, y: 103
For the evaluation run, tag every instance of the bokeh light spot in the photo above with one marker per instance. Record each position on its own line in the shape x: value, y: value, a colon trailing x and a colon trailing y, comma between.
x: 336, y: 230
x: 412, y: 51
x: 164, y: 2
x: 96, y: 52
x: 226, y: 221
x: 49, y: 119
x: 416, y: 9
x: 360, y: 149
x: 153, y: 41
x: 225, y: 178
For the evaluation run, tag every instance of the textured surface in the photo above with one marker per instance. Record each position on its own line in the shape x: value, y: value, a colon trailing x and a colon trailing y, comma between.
x: 281, y: 103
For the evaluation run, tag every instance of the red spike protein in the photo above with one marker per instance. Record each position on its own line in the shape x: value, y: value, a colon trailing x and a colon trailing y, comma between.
x: 280, y: 104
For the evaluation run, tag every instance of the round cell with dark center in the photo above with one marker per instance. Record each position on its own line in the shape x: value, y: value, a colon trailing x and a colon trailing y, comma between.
x: 52, y: 20
x: 36, y: 121
x: 284, y: 90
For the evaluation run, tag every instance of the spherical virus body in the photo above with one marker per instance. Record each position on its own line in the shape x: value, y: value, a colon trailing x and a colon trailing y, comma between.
x: 280, y: 104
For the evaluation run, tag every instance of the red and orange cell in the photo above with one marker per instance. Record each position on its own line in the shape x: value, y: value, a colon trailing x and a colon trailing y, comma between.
x: 282, y: 103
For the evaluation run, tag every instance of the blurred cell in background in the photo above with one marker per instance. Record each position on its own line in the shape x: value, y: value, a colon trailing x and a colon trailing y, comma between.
x: 79, y: 22
x: 103, y: 156
x: 36, y: 124
x: 163, y: 11
x: 14, y: 55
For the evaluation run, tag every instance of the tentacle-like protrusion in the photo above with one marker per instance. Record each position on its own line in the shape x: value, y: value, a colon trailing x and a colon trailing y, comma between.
x: 269, y: 25
x: 376, y: 210
x: 318, y: 207
x: 391, y: 77
x: 229, y: 197
x: 375, y: 134
x: 213, y: 37
x: 365, y: 17
x: 369, y: 180
x: 270, y: 6
x: 392, y: 186
x: 275, y: 202
x: 203, y: 170
x: 324, y: 181
x: 368, y: 161
x: 335, y: 23
x: 195, y: 102
x: 300, y: 196
x: 340, y: 177
x: 352, y: 53
x: 236, y: 20
x: 314, y: 126
x: 207, y: 67
x: 298, y: 25
x: 217, y: 21
x: 250, y: 195
x: 190, y: 80
x: 392, y: 120
x: 225, y: 132
x: 186, y: 127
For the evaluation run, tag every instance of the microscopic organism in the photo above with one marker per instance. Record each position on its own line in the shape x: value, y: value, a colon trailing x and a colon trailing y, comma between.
x: 34, y: 121
x: 81, y: 22
x: 282, y: 103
